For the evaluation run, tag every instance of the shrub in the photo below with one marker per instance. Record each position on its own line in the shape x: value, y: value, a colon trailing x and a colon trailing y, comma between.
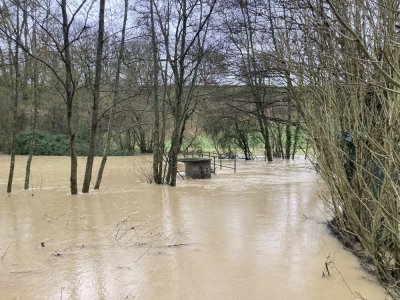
x: 58, y: 145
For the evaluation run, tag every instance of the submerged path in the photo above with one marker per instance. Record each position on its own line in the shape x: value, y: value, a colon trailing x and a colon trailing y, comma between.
x: 256, y: 234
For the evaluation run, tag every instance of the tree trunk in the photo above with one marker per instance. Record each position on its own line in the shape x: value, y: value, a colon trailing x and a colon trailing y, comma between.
x: 157, y: 149
x: 179, y: 47
x: 267, y: 141
x: 175, y: 143
x: 288, y: 144
x: 15, y: 105
x: 289, y: 114
x: 114, y: 102
x: 128, y: 139
x: 296, y: 140
x: 33, y: 133
x: 96, y: 99
x: 73, y: 155
x: 70, y: 91
x: 173, y: 158
x: 35, y: 98
x: 142, y: 142
x: 280, y: 144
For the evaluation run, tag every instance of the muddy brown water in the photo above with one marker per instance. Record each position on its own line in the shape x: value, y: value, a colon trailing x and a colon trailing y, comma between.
x: 256, y: 234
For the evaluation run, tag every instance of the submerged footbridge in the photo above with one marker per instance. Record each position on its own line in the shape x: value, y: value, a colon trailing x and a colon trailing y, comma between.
x: 200, y: 165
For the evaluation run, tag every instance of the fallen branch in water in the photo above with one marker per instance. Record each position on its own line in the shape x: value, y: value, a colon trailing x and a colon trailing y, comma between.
x: 329, y: 263
x: 119, y: 226
x: 5, y: 253
x: 144, y: 253
x: 69, y: 217
x: 20, y: 272
x: 180, y: 245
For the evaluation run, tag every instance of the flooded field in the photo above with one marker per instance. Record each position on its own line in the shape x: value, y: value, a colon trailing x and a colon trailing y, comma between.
x: 256, y: 234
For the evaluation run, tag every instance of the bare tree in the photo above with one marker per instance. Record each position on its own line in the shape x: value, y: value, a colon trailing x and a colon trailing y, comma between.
x: 183, y: 45
x: 255, y: 67
x: 59, y: 41
x: 96, y: 99
x: 69, y: 85
x: 114, y: 98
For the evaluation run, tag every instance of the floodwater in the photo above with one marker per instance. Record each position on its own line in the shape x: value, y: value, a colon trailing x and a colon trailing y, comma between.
x: 256, y: 234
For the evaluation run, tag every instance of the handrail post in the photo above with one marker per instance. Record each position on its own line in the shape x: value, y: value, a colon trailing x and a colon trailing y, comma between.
x: 214, y: 164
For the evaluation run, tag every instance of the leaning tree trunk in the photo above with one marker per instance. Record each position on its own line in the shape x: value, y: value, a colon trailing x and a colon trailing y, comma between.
x: 114, y: 102
x: 34, y: 78
x: 33, y: 133
x: 96, y: 99
x: 15, y: 106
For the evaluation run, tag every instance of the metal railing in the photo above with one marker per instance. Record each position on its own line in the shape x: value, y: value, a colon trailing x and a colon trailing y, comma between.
x: 217, y: 159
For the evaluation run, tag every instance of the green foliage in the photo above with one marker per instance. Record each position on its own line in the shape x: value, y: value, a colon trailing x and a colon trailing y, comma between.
x: 205, y: 143
x: 57, y: 144
x: 201, y: 142
x: 45, y: 144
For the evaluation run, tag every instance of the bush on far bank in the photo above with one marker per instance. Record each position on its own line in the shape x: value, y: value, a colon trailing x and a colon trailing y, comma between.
x: 57, y: 145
